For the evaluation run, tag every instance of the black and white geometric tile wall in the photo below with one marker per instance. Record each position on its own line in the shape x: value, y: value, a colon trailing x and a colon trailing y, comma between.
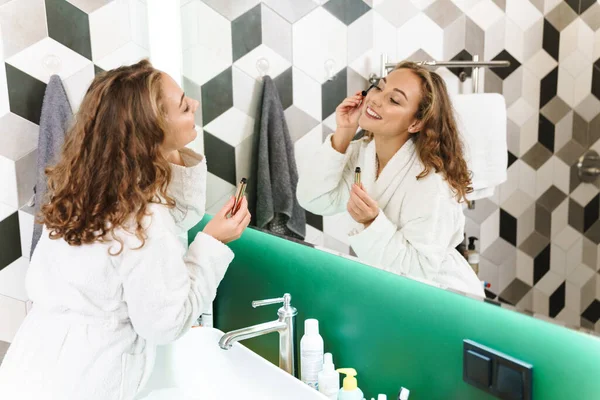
x: 39, y: 38
x: 540, y: 233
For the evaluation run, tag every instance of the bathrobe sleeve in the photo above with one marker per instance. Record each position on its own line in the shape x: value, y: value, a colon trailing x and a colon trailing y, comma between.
x: 165, y: 292
x: 325, y: 181
x: 418, y: 247
x: 188, y: 189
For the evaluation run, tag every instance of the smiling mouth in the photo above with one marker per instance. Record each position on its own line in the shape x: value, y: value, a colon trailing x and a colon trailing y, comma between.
x: 371, y: 113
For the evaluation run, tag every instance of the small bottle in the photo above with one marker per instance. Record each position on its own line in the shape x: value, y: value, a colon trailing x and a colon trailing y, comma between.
x: 462, y: 247
x: 404, y: 393
x: 473, y: 258
x: 329, y: 378
x: 311, y: 353
x: 350, y: 390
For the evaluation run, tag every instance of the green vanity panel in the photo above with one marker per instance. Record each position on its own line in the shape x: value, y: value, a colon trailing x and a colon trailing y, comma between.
x: 395, y: 331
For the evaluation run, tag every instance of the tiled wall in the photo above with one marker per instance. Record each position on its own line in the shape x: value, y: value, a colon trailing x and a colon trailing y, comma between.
x: 539, y: 234
x: 39, y: 38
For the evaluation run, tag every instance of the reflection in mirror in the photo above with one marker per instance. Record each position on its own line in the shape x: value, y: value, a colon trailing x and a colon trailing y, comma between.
x: 406, y: 214
x: 536, y: 234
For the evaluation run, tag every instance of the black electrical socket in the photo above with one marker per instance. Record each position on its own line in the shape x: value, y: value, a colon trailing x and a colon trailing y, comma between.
x: 496, y: 373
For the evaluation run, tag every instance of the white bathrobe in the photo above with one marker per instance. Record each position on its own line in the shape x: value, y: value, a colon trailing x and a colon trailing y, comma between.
x: 97, y: 319
x: 420, y: 222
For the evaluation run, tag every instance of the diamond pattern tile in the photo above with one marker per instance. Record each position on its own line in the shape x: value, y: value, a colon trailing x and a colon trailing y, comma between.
x: 23, y: 24
x: 211, y: 54
x: 557, y: 301
x: 361, y: 43
x: 485, y: 14
x: 109, y: 29
x: 555, y: 110
x: 533, y: 39
x: 25, y: 94
x: 561, y: 16
x: 515, y: 292
x: 299, y: 123
x: 589, y: 108
x: 543, y: 221
x: 503, y: 73
x: 593, y: 233
x: 347, y: 11
x: 231, y: 9
x: 318, y: 58
x: 430, y: 34
x: 292, y: 11
x: 508, y: 227
x: 217, y: 96
x: 233, y: 126
x: 524, y: 14
x: 592, y: 313
x: 285, y: 87
x: 333, y: 93
x: 70, y: 26
x: 397, y: 12
x: 571, y: 152
x: 443, y: 12
x: 454, y: 44
x: 11, y: 245
x: 551, y: 39
x: 541, y: 264
x: 246, y: 33
x: 546, y: 133
x: 537, y: 156
x: 224, y: 165
x: 592, y: 16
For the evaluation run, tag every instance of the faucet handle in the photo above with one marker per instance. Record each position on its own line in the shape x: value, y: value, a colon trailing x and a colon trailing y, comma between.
x: 286, y: 299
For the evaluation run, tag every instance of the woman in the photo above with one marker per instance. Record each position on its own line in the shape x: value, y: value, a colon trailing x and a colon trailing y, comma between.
x: 414, y: 177
x: 109, y: 279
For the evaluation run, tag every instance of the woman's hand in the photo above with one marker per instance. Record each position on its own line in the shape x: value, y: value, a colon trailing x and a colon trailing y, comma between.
x: 348, y: 113
x: 362, y: 208
x: 229, y: 229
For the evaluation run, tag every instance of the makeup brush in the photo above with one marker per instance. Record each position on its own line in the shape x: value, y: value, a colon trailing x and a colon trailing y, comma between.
x: 364, y: 92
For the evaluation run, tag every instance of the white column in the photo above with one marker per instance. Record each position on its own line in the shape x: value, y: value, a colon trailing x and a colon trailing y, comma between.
x: 164, y: 34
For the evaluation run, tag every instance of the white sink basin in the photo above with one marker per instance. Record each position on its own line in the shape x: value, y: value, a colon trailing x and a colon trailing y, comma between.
x: 195, y: 367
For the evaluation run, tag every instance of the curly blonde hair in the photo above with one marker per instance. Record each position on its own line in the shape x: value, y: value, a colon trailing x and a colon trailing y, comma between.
x: 438, y: 144
x: 111, y: 166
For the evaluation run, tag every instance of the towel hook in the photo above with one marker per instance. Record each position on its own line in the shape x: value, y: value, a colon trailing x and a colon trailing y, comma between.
x: 52, y: 63
x: 262, y: 65
x: 329, y: 67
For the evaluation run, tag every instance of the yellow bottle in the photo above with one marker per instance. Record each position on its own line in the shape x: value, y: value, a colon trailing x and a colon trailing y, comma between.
x: 349, y: 390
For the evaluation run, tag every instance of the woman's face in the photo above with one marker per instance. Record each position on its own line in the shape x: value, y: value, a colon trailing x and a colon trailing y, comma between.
x: 391, y: 106
x: 180, y: 110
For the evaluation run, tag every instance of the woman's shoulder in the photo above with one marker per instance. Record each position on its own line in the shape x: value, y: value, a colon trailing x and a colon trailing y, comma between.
x: 157, y: 223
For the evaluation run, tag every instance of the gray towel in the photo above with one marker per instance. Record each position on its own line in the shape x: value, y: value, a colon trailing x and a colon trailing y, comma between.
x: 55, y: 119
x: 277, y: 208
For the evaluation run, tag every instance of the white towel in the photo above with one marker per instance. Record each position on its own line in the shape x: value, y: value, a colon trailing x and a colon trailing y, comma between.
x: 481, y: 120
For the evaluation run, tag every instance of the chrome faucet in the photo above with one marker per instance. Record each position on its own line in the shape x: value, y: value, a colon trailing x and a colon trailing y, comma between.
x: 285, y: 325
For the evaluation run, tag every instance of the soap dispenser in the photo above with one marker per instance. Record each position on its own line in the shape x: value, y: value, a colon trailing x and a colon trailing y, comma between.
x: 349, y: 390
x: 473, y: 258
